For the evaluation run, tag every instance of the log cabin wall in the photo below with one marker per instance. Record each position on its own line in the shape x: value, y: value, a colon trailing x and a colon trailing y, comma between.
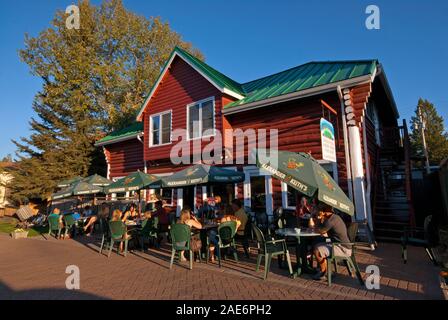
x: 181, y: 86
x: 124, y: 158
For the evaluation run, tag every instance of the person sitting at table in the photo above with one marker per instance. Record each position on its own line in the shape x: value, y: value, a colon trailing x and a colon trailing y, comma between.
x: 192, y: 222
x: 102, y: 214
x: 57, y: 213
x: 117, y: 215
x: 131, y: 213
x: 164, y: 219
x: 334, y: 227
x: 228, y: 215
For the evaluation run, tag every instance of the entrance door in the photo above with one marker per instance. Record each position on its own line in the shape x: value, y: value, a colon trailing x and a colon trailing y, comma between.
x: 189, y: 197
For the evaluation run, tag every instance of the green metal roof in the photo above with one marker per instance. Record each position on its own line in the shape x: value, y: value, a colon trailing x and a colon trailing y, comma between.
x: 130, y: 131
x: 219, y: 78
x: 307, y: 76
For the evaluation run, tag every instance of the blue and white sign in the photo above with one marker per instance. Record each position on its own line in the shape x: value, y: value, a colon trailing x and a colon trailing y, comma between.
x: 328, y: 140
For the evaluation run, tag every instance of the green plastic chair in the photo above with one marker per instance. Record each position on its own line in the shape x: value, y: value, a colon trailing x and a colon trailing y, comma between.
x: 180, y: 241
x: 117, y: 233
x: 54, y: 226
x: 105, y: 233
x: 149, y: 230
x: 69, y: 223
x: 350, y: 262
x: 269, y: 249
x: 226, y: 239
x: 418, y: 237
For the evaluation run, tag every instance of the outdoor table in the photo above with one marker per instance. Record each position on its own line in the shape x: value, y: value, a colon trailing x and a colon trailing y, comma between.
x: 307, y: 233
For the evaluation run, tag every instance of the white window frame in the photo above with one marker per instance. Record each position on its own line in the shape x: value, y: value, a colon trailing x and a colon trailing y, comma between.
x: 252, y: 171
x: 160, y: 114
x: 201, y: 102
x: 285, y: 203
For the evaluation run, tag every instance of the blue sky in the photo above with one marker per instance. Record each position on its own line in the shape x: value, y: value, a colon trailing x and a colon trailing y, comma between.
x: 247, y: 39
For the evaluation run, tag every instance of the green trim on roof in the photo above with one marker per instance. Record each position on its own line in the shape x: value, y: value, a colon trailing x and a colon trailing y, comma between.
x: 130, y: 131
x: 219, y: 78
x: 303, y: 77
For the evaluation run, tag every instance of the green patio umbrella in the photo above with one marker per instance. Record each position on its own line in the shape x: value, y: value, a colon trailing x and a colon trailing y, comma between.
x: 134, y: 182
x: 77, y: 189
x: 97, y: 180
x: 302, y: 172
x: 200, y: 174
x: 68, y: 182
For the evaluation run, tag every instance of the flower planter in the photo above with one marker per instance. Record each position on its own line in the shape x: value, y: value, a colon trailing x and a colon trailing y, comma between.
x: 19, y: 235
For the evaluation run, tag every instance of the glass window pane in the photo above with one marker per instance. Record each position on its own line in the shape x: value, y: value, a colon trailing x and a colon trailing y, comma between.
x: 155, y: 138
x: 258, y: 194
x: 292, y: 196
x: 156, y: 123
x: 193, y: 123
x: 166, y: 128
x: 207, y: 116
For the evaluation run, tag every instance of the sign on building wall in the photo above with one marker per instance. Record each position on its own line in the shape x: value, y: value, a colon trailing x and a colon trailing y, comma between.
x: 328, y: 140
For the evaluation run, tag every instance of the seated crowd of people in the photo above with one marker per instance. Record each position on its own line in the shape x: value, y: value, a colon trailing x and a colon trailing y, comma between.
x: 319, y: 216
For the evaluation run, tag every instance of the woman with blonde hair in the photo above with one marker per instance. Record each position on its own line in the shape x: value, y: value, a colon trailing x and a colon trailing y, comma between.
x: 117, y: 215
x: 192, y: 222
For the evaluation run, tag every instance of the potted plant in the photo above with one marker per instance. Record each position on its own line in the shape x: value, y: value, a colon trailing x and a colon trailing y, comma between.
x: 19, y: 233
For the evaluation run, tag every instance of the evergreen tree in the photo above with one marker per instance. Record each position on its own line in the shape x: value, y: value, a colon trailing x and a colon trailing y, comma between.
x: 435, y: 133
x: 94, y: 79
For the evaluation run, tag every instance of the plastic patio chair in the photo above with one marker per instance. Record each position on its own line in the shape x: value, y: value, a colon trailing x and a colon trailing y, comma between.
x: 226, y: 239
x: 350, y: 261
x: 105, y: 233
x: 69, y: 224
x: 419, y: 237
x: 54, y: 227
x: 180, y: 241
x: 149, y: 230
x: 117, y: 235
x: 269, y: 249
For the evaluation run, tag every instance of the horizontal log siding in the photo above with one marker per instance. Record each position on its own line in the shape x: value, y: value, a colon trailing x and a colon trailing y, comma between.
x: 181, y: 86
x: 124, y: 157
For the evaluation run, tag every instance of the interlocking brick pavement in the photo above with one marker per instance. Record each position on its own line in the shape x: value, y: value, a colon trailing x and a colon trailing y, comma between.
x: 34, y: 268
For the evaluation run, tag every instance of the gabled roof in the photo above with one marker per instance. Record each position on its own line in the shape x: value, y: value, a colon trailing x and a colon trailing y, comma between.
x: 127, y: 133
x: 309, y: 78
x: 303, y: 77
x: 219, y: 80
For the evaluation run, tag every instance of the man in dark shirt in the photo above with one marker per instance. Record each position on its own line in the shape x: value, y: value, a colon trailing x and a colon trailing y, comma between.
x: 334, y: 228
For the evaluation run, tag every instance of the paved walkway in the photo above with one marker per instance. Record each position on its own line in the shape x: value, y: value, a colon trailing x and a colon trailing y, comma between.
x: 34, y: 268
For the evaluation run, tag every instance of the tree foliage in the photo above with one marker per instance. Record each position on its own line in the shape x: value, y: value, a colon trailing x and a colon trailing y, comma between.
x: 94, y: 80
x: 435, y: 133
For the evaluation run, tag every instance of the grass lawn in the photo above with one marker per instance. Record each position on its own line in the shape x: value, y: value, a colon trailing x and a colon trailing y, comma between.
x: 7, y: 226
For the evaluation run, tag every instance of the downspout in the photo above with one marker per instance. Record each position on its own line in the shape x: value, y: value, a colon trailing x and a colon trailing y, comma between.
x: 346, y: 147
x: 369, y: 183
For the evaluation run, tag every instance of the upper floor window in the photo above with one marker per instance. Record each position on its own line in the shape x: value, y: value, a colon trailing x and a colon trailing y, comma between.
x: 160, y: 129
x: 201, y: 119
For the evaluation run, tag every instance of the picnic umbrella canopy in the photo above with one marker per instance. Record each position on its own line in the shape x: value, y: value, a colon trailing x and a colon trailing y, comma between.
x: 302, y: 172
x: 134, y: 182
x: 98, y: 180
x: 68, y: 182
x: 200, y: 174
x: 77, y: 189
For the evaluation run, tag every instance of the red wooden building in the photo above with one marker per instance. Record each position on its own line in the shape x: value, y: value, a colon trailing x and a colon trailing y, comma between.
x: 371, y: 147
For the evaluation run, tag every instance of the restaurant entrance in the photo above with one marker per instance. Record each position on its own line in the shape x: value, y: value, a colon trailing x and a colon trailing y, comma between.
x: 189, y: 197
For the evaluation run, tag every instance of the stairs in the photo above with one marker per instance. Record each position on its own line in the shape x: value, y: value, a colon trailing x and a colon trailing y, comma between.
x: 392, y: 209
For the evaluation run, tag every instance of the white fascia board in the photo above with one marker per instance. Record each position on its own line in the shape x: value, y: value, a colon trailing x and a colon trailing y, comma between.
x: 297, y: 95
x: 134, y: 136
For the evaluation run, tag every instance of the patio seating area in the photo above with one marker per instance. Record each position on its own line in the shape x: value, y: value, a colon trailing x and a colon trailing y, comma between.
x: 35, y: 269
